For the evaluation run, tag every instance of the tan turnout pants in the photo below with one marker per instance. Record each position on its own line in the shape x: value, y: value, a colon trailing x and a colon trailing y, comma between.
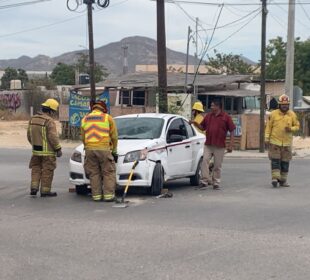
x: 42, y: 172
x: 218, y: 154
x: 100, y: 167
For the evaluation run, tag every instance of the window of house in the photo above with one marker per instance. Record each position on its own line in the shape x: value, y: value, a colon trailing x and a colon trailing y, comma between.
x: 126, y: 97
x: 138, y: 97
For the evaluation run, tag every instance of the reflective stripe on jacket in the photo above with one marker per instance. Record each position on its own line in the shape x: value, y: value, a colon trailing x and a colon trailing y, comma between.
x: 99, y: 131
x: 42, y: 135
x: 275, y: 132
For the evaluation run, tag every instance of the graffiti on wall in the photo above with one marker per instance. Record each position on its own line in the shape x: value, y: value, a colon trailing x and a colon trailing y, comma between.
x: 10, y: 101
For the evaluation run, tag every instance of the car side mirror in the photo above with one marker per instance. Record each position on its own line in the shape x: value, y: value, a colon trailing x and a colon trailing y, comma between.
x: 175, y: 138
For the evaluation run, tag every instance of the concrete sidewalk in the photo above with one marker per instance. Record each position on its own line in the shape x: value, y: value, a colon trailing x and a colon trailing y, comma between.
x: 300, y: 153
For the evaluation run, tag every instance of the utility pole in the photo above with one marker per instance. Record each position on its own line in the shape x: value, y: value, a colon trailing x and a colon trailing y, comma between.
x: 263, y: 79
x: 290, y: 50
x: 187, y: 53
x: 161, y: 56
x: 125, y: 59
x: 91, y: 50
x: 74, y: 5
x: 196, y: 57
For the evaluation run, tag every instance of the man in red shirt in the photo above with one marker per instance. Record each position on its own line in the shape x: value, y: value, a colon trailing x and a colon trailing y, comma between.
x: 216, y: 124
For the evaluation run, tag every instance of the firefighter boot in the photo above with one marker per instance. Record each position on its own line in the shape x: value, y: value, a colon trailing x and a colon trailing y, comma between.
x: 284, y: 184
x: 33, y: 192
x: 274, y: 183
x: 49, y: 194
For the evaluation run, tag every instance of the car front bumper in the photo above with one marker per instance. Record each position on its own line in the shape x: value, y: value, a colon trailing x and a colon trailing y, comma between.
x: 142, y: 176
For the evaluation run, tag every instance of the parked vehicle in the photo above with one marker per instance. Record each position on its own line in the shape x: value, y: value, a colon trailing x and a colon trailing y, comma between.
x: 166, y: 145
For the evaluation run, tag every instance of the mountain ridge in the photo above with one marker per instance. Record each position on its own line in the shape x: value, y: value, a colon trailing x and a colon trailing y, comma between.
x: 141, y: 50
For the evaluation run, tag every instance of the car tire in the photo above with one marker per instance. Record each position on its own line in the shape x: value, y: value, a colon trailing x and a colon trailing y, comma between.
x: 81, y: 189
x: 157, y: 180
x: 196, y: 178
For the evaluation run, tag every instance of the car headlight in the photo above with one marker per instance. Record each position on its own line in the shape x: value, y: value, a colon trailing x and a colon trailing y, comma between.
x: 135, y: 155
x: 76, y: 156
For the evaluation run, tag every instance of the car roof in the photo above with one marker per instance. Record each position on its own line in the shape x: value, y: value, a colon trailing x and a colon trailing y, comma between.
x: 149, y: 115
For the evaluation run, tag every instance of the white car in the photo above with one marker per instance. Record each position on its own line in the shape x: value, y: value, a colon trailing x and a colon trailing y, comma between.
x: 166, y: 145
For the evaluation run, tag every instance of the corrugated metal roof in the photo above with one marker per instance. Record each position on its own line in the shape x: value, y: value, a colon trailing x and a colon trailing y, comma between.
x: 233, y: 93
x: 150, y: 79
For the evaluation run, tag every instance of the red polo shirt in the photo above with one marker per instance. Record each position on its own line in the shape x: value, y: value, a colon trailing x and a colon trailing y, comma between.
x: 216, y: 127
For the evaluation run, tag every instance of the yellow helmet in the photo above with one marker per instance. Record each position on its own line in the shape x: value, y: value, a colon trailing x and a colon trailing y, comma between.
x: 284, y: 100
x: 51, y: 103
x: 198, y: 106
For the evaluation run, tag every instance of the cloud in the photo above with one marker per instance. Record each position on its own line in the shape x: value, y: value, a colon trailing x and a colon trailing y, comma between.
x: 52, y: 36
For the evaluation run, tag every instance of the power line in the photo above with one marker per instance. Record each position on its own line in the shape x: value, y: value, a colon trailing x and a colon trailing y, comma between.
x: 206, y: 50
x: 305, y: 12
x: 237, y: 20
x: 234, y: 33
x: 22, y: 4
x: 280, y: 7
x: 231, y: 4
x: 277, y: 20
x: 54, y: 23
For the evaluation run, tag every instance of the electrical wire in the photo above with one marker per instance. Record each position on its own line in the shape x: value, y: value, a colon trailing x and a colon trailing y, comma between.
x: 231, y: 4
x: 55, y: 23
x: 22, y: 4
x: 208, y: 44
x: 277, y: 20
x: 305, y: 12
x: 280, y: 7
x: 206, y: 50
x: 234, y: 33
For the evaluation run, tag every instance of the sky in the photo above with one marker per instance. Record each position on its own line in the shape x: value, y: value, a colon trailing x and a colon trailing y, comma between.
x: 50, y: 28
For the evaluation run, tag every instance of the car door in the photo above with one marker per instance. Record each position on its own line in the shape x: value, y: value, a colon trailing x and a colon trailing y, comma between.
x: 179, y: 151
x: 197, y: 143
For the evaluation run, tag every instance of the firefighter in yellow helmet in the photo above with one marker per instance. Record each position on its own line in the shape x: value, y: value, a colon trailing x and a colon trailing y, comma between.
x: 43, y: 137
x: 197, y: 112
x: 278, y: 137
x: 99, y: 136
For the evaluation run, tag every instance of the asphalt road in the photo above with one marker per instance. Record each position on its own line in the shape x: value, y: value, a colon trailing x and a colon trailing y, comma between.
x: 245, y: 231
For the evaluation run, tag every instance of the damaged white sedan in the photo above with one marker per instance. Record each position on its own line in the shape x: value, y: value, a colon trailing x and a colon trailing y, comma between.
x: 166, y: 145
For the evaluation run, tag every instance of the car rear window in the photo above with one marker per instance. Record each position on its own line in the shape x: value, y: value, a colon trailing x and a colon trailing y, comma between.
x: 139, y: 128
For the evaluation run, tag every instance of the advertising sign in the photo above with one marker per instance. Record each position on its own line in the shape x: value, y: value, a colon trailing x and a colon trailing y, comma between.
x: 79, y: 106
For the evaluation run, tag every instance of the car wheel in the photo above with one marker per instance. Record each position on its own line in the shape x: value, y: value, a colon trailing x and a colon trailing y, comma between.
x: 157, y: 180
x: 81, y: 189
x: 196, y: 178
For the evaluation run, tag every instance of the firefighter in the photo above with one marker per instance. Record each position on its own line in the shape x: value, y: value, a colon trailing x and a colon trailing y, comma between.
x: 43, y: 137
x: 197, y: 111
x: 99, y: 135
x: 278, y: 138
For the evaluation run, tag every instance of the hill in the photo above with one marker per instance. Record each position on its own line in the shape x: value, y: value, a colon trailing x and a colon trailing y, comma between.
x: 141, y: 50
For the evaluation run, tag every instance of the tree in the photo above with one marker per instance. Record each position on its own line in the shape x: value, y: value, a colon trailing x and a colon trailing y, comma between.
x: 228, y: 64
x: 22, y: 75
x: 82, y: 66
x: 276, y: 62
x: 9, y: 74
x: 276, y: 59
x: 63, y: 74
x: 13, y: 74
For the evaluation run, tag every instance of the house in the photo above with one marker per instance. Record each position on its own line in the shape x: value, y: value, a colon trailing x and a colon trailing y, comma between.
x: 137, y: 93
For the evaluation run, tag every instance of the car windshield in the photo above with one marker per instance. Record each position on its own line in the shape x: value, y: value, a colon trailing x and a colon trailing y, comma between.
x: 139, y: 128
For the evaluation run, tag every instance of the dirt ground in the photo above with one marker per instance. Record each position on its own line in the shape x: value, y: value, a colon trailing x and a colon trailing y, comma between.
x: 13, y: 134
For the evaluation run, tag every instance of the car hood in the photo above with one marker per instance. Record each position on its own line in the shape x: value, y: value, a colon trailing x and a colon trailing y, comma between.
x: 125, y: 146
x: 129, y: 145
